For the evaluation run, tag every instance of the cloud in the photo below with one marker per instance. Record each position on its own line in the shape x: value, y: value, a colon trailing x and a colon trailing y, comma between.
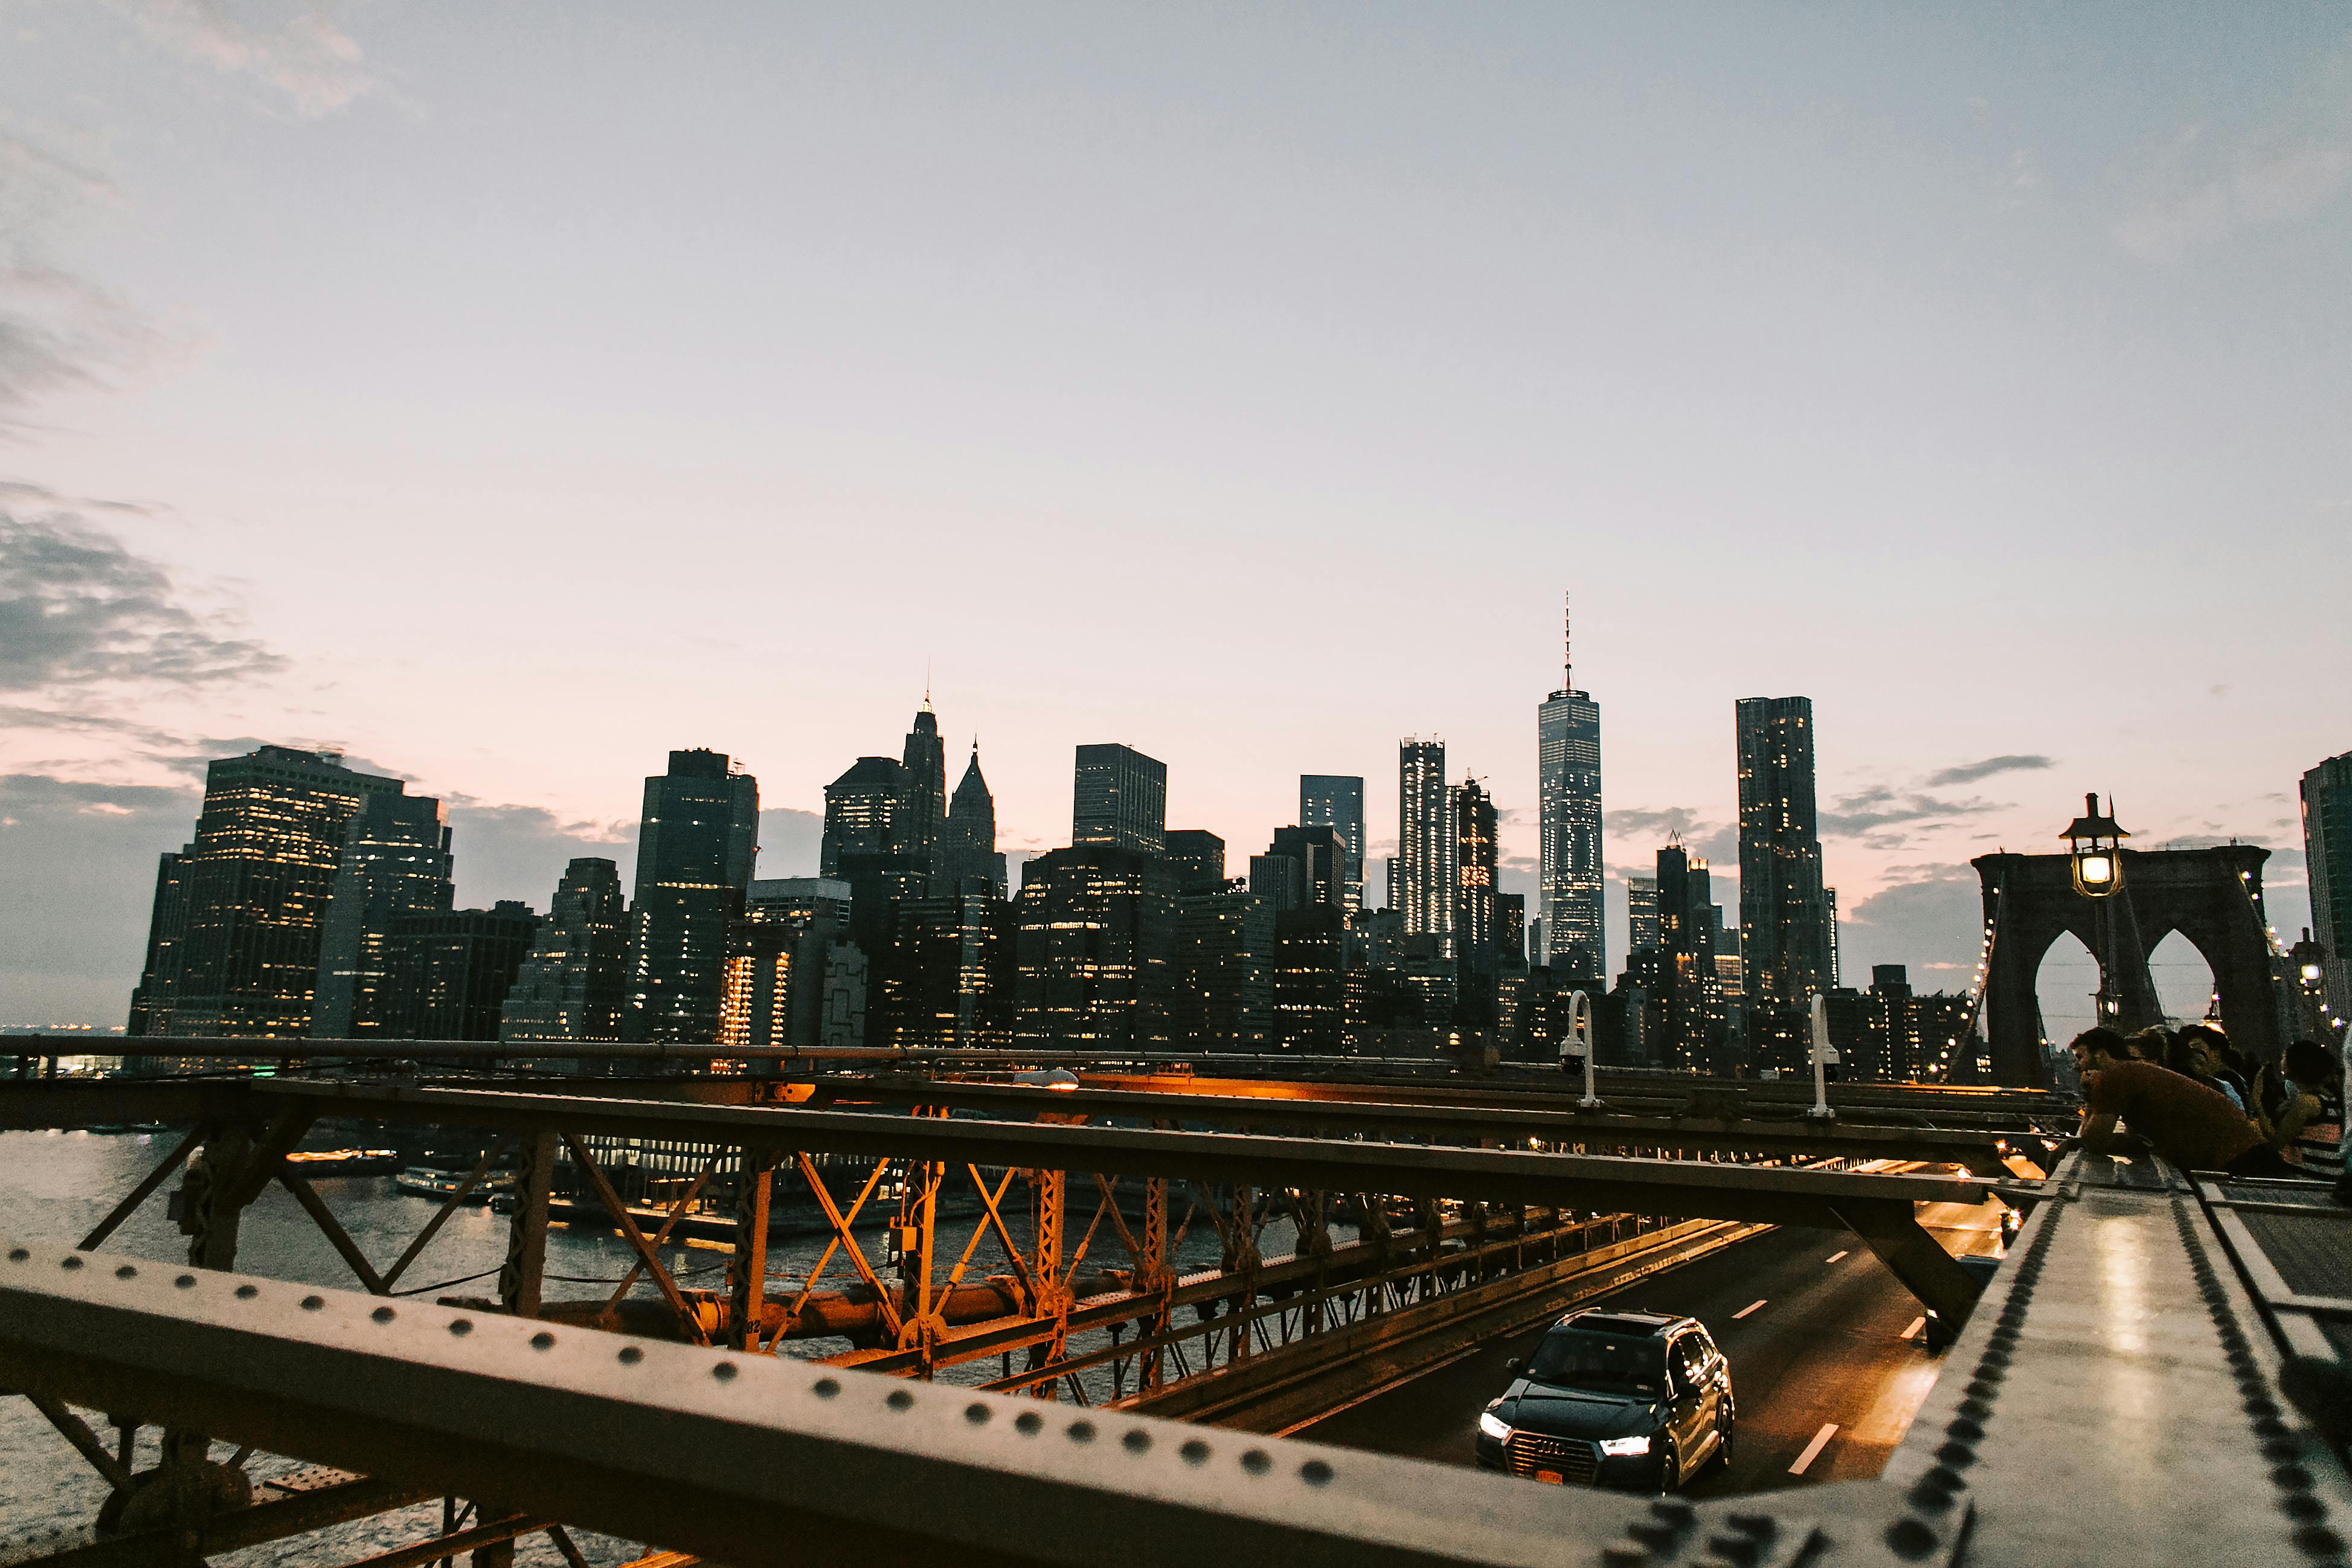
x: 1969, y: 772
x: 79, y: 867
x: 58, y: 331
x: 1933, y: 921
x: 78, y: 607
x: 298, y: 51
x: 1869, y: 814
x: 1639, y: 825
x: 792, y: 841
x: 2207, y: 194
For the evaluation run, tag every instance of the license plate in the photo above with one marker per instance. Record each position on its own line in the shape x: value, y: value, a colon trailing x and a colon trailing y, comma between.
x: 1554, y: 1477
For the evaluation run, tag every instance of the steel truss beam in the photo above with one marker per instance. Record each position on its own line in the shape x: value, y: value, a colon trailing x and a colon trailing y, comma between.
x: 754, y: 1460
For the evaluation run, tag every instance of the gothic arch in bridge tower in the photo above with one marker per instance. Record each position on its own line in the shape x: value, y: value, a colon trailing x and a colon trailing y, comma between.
x: 2211, y: 896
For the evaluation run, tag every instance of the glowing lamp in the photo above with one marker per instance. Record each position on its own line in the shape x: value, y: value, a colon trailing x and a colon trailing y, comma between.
x: 2311, y: 973
x: 2095, y: 843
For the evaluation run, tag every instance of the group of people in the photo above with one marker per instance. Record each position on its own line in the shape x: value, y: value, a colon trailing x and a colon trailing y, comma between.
x: 2203, y: 1105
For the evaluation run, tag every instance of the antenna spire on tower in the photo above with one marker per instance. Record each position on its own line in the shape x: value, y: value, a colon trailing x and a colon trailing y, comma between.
x: 1567, y: 652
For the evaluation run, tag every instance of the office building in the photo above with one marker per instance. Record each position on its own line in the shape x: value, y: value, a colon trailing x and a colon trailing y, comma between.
x: 574, y: 981
x: 947, y: 981
x: 1421, y: 883
x: 2327, y: 793
x: 234, y: 935
x: 1119, y: 798
x: 1337, y: 801
x: 1093, y: 927
x: 755, y: 1007
x: 1311, y: 978
x: 1784, y: 922
x: 694, y: 868
x: 1475, y: 875
x: 1569, y: 871
x: 970, y: 858
x: 1221, y: 968
x: 1687, y: 1021
x: 923, y: 772
x: 452, y: 971
x: 861, y: 811
x: 785, y: 900
x: 1641, y: 914
x: 395, y: 862
x: 1196, y: 858
x: 1511, y: 928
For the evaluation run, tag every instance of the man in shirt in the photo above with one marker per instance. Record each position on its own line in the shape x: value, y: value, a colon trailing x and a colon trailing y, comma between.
x: 2194, y: 1128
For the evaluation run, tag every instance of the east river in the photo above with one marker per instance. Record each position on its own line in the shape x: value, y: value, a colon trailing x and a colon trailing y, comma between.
x: 55, y: 1186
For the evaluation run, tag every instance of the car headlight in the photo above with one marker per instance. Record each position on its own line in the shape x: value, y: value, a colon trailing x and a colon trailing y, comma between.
x: 1624, y: 1447
x: 1494, y: 1425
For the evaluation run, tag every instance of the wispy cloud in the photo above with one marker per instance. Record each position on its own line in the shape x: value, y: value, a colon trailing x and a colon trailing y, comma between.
x: 1969, y: 772
x: 58, y: 331
x: 79, y: 608
x: 1873, y: 810
x: 293, y: 49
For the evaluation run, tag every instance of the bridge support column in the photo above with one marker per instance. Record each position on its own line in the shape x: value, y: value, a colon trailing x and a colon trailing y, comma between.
x: 1917, y: 1258
x: 524, y: 1274
x: 747, y: 1269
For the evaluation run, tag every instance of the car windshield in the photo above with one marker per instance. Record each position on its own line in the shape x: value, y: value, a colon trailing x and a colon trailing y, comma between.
x: 1605, y: 1363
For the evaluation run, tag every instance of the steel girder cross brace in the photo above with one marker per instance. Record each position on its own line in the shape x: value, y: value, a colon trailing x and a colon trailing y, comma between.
x: 1893, y: 1231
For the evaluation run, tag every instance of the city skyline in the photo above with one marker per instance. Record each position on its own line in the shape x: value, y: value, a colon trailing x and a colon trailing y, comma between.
x: 2048, y: 387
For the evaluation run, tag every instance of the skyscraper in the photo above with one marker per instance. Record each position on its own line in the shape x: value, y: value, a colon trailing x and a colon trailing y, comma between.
x: 1567, y: 778
x: 2327, y: 793
x: 1423, y: 883
x: 452, y: 970
x: 971, y: 854
x: 233, y: 942
x: 1093, y: 927
x: 573, y: 982
x: 1119, y: 798
x: 1686, y: 1002
x: 1335, y: 801
x: 395, y: 862
x: 861, y: 811
x: 1475, y: 865
x: 1197, y: 859
x: 1641, y: 914
x: 1783, y: 912
x: 694, y: 866
x: 923, y: 814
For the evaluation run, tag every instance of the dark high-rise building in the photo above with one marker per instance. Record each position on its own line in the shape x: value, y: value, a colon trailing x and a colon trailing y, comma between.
x: 1093, y: 928
x: 694, y: 866
x: 1687, y: 1013
x: 923, y: 769
x: 1784, y: 922
x: 1335, y: 801
x: 1222, y: 968
x: 1641, y: 914
x: 861, y: 811
x: 947, y: 981
x: 233, y: 942
x: 395, y: 862
x: 1568, y: 873
x: 970, y: 855
x: 452, y: 971
x: 1318, y: 858
x: 1196, y: 857
x: 1120, y: 799
x: 1311, y: 1014
x: 574, y: 981
x: 1475, y: 875
x: 1422, y: 885
x: 1511, y: 927
x: 2327, y: 847
x: 793, y: 976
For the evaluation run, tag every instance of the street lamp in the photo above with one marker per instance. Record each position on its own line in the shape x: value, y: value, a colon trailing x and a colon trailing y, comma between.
x: 2095, y: 844
x: 1580, y: 1043
x: 1824, y: 1057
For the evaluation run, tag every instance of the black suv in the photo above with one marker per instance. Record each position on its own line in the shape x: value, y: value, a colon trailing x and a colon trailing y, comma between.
x: 1641, y: 1400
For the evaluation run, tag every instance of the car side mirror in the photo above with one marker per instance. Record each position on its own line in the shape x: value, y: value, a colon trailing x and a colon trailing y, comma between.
x: 1514, y: 1366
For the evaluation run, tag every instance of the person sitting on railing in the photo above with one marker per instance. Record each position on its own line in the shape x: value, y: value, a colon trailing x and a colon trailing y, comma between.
x: 2310, y: 1124
x: 2194, y: 1128
x: 2150, y: 1045
x: 2191, y: 1056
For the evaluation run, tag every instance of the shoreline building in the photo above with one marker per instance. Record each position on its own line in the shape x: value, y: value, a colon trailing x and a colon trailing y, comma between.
x: 1569, y: 874
x: 694, y: 868
x: 1421, y: 877
x: 233, y: 940
x: 574, y: 981
x: 395, y: 862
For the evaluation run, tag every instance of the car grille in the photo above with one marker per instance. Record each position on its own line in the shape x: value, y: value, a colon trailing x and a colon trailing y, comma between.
x: 1576, y: 1461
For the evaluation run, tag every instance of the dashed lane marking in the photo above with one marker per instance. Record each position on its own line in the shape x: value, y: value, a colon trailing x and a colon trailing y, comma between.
x: 1833, y: 1257
x: 1745, y: 1310
x: 1913, y: 1332
x: 1813, y: 1450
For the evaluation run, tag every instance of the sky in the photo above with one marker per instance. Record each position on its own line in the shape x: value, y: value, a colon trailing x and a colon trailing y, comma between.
x: 506, y: 396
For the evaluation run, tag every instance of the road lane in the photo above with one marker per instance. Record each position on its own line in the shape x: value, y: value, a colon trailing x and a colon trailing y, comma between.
x: 1828, y: 1348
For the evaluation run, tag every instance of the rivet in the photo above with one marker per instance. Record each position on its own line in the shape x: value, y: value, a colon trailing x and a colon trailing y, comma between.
x: 1079, y: 1432
x: 543, y: 1341
x: 2260, y: 1406
x: 461, y: 1327
x: 2297, y: 1506
x: 18, y: 1255
x: 126, y: 1272
x: 977, y: 1413
x: 185, y: 1281
x: 899, y: 1399
x: 1975, y: 1409
x: 630, y: 1355
x: 1315, y: 1473
x: 383, y: 1314
x: 825, y: 1388
x: 2291, y: 1478
x: 1675, y: 1508
x: 1959, y: 1456
x: 248, y: 1292
x: 309, y: 1303
x: 1258, y: 1461
x: 71, y: 1261
x: 1910, y: 1538
x: 2319, y: 1539
x: 1966, y: 1430
x: 1624, y: 1557
x: 1029, y: 1423
x: 1137, y: 1441
x: 1194, y: 1452
x: 724, y: 1371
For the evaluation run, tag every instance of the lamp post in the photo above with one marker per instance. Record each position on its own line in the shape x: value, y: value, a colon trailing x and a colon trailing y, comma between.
x: 2095, y: 846
x: 1580, y: 1043
x: 1824, y: 1057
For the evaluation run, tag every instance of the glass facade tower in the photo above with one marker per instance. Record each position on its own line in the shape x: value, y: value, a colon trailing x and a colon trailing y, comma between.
x: 1423, y: 887
x: 1327, y: 800
x: 694, y: 868
x: 1784, y: 918
x: 1567, y: 780
x: 1119, y: 798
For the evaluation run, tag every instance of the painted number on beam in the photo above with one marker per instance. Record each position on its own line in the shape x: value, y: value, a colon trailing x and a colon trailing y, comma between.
x: 1813, y: 1450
